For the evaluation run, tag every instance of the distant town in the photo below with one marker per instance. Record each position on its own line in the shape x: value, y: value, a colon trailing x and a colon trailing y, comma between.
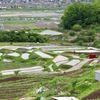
x: 42, y: 1
x: 7, y: 4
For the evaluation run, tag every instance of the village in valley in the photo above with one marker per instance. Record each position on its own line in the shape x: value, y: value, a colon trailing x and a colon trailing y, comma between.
x: 43, y: 57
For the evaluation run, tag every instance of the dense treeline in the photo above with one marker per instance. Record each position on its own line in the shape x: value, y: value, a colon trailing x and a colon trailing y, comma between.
x: 21, y: 36
x: 84, y: 14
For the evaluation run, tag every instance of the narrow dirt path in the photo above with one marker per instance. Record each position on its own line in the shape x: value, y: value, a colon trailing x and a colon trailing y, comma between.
x: 78, y: 66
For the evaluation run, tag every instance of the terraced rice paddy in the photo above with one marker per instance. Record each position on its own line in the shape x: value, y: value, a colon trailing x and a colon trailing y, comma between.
x: 37, y: 69
x: 24, y: 85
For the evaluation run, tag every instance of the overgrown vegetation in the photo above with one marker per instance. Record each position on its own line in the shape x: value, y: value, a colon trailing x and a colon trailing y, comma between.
x: 79, y: 84
x: 21, y: 36
x: 84, y: 14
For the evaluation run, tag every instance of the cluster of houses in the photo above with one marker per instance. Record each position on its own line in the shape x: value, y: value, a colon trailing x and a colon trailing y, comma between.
x: 37, y: 3
x: 27, y: 1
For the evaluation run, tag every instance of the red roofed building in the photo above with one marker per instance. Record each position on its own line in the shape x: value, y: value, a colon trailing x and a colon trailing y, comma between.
x: 92, y: 55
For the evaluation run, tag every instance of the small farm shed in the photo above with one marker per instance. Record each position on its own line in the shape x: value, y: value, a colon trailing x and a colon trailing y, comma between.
x: 92, y: 55
x: 97, y: 75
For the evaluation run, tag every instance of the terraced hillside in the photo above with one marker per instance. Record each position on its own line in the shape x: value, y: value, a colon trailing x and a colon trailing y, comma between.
x: 16, y: 87
x: 79, y: 83
x: 54, y: 82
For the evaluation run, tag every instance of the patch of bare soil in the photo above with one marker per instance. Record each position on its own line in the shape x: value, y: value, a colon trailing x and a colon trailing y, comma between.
x: 93, y: 96
x: 12, y: 79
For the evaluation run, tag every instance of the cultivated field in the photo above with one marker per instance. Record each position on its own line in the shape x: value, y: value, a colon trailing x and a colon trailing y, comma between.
x: 22, y: 82
x: 46, y: 69
x: 26, y: 20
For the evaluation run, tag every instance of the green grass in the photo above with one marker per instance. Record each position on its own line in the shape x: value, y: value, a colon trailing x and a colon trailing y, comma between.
x: 81, y: 81
x: 18, y: 88
x: 26, y: 24
x: 14, y: 65
x: 85, y: 84
x: 18, y: 62
x: 15, y: 43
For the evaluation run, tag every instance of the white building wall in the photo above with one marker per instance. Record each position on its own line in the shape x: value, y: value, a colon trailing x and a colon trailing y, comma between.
x: 98, y: 75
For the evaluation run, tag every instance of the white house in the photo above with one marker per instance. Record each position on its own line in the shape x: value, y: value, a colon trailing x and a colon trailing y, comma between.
x: 97, y: 75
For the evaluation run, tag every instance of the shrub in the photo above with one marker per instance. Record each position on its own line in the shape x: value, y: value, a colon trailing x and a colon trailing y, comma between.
x: 96, y: 43
x: 80, y: 42
x: 91, y: 32
x: 69, y: 57
x: 72, y: 33
x: 77, y: 27
x: 38, y: 98
x: 47, y: 69
x: 82, y: 56
x: 97, y: 29
x: 92, y: 26
x: 16, y: 72
x: 83, y: 32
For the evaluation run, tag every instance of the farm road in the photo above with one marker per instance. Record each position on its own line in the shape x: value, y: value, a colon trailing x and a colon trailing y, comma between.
x: 78, y: 66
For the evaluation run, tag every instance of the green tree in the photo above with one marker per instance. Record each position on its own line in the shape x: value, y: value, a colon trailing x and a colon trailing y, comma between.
x: 81, y: 13
x: 21, y: 36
